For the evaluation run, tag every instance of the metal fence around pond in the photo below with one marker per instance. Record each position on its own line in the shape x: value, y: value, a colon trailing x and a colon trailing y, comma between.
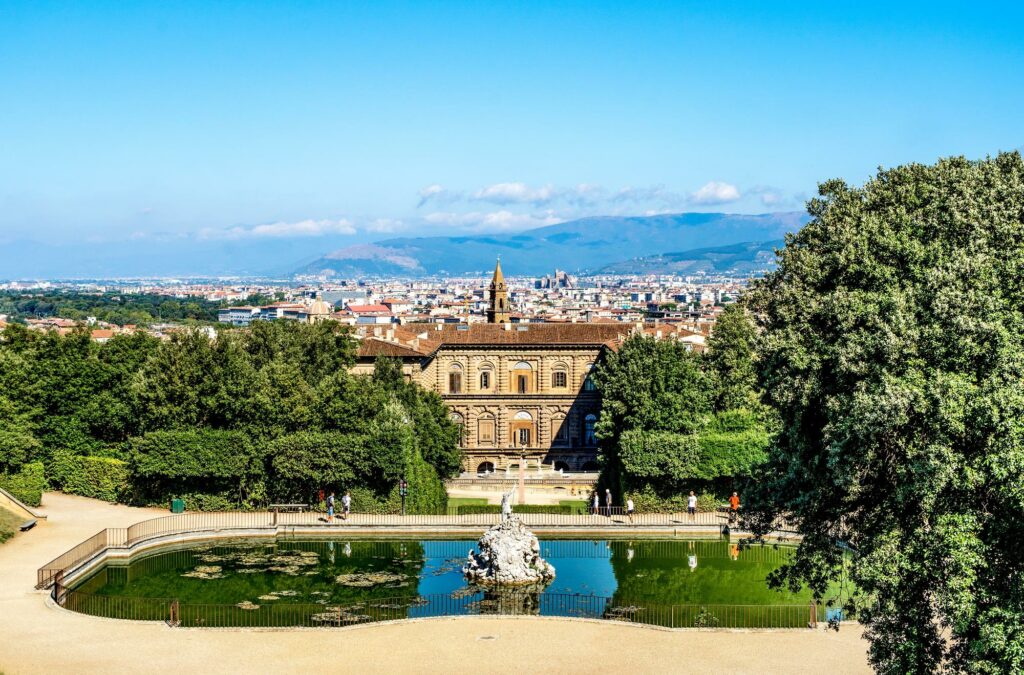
x: 603, y: 520
x: 480, y: 603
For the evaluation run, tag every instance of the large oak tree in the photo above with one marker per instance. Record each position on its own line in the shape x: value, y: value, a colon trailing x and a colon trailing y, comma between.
x: 892, y: 346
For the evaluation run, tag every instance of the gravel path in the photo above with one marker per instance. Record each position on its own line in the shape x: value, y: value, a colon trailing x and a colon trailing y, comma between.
x: 36, y: 637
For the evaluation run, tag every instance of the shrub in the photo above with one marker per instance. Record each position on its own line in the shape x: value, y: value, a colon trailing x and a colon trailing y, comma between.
x: 27, y: 484
x: 97, y: 477
x: 476, y: 509
x: 210, y: 466
x: 647, y: 498
x: 199, y: 501
x: 306, y: 462
x: 708, y: 502
x: 557, y: 509
x: 365, y: 500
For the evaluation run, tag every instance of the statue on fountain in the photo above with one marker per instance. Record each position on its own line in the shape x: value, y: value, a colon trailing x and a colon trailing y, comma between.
x: 509, y: 555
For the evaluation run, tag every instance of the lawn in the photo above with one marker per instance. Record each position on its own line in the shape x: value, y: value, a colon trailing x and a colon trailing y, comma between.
x: 455, y: 502
x: 9, y: 523
x: 464, y: 501
x: 579, y: 505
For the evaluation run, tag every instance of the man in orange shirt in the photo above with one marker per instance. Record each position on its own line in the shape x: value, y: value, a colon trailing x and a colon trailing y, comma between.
x: 734, y: 508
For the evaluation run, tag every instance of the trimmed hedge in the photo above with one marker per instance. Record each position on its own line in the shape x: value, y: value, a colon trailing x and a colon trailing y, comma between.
x: 666, y: 457
x: 27, y: 485
x: 556, y: 509
x: 97, y: 477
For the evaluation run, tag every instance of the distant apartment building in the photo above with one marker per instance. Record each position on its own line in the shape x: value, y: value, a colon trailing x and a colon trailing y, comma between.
x: 318, y: 310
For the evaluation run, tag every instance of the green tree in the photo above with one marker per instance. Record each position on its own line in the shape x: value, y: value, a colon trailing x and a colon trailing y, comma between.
x: 893, y: 351
x: 730, y: 358
x: 657, y: 385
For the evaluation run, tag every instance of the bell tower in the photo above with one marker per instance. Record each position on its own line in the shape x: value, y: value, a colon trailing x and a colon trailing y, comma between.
x: 498, y: 310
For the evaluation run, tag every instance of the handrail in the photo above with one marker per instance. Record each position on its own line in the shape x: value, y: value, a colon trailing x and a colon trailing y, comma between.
x: 480, y: 602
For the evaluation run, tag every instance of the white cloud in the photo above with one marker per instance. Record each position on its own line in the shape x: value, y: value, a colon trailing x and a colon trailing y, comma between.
x: 301, y: 228
x: 516, y: 193
x: 385, y: 225
x: 494, y: 221
x: 715, y: 192
x: 655, y: 194
x: 435, y: 192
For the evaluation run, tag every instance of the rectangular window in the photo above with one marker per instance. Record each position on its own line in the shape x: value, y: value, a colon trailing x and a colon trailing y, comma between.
x: 486, y: 431
x: 559, y: 379
x: 485, y: 380
x: 524, y: 437
x: 521, y: 383
x: 454, y: 383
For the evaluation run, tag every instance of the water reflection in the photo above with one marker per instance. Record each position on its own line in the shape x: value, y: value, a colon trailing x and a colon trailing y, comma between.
x: 423, y: 578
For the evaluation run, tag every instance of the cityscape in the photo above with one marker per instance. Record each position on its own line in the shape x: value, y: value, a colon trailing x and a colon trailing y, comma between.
x: 406, y: 337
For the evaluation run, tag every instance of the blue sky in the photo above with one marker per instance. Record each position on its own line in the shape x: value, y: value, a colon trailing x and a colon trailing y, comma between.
x: 356, y: 121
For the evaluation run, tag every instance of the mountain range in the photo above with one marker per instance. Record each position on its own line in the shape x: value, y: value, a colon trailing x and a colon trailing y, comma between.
x: 623, y: 244
x: 712, y: 242
x: 745, y: 258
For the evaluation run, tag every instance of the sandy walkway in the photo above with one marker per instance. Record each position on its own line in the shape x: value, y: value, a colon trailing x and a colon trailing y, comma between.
x: 36, y: 637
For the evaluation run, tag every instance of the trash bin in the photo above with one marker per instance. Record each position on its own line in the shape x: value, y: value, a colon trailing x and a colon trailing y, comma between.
x: 177, y: 506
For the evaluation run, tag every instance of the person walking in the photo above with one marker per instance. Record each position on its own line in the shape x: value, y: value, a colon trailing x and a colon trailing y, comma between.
x: 346, y: 504
x: 691, y: 505
x: 608, y: 501
x: 734, y: 508
x: 629, y: 509
x: 330, y: 507
x: 594, y: 510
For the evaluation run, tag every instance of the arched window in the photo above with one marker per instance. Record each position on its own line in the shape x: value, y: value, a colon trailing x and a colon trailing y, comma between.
x: 485, y: 467
x: 559, y: 429
x: 588, y: 383
x: 485, y: 380
x: 455, y: 379
x: 559, y: 376
x: 485, y: 429
x: 561, y: 466
x: 522, y: 428
x: 522, y: 377
x: 589, y: 438
x: 461, y: 422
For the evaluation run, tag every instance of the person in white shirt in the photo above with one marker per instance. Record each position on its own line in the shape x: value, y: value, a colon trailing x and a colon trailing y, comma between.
x: 346, y: 505
x: 629, y: 509
x: 691, y: 505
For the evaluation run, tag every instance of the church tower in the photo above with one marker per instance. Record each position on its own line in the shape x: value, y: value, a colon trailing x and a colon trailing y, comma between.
x: 498, y: 311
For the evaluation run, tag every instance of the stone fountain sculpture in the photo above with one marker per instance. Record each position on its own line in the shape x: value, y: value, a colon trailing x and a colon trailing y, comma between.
x: 509, y: 555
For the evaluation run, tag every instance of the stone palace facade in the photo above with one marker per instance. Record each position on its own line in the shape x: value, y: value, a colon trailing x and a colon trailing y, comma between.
x: 521, y: 392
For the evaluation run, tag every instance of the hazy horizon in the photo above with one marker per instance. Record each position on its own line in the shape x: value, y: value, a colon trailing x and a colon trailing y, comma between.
x: 318, y: 125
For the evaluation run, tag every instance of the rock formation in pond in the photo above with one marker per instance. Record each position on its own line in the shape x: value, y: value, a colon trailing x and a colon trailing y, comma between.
x: 509, y: 555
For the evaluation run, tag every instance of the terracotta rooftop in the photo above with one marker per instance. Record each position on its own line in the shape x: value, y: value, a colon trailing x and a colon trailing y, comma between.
x: 366, y: 309
x: 523, y: 334
x: 374, y: 347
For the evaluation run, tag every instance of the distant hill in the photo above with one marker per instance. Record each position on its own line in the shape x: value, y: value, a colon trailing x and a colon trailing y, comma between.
x: 750, y: 257
x: 587, y: 244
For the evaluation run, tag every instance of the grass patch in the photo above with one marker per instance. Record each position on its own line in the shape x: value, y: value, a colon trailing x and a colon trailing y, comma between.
x: 577, y: 505
x: 9, y: 524
x: 465, y: 501
x: 455, y: 502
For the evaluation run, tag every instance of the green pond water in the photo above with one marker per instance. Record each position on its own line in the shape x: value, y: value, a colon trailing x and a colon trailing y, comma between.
x: 325, y: 582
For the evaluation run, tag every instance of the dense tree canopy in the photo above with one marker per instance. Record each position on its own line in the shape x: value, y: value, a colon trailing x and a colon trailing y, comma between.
x: 674, y: 420
x: 267, y: 413
x: 893, y: 351
x: 117, y: 308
